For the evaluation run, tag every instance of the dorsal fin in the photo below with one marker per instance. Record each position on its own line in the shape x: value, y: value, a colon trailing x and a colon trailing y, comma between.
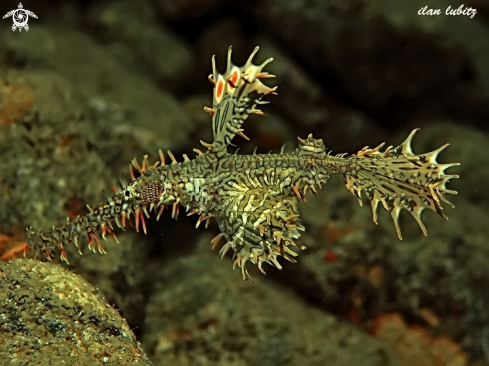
x: 236, y: 93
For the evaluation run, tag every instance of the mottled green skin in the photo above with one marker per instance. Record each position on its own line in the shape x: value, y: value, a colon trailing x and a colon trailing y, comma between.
x: 251, y: 197
x: 254, y: 199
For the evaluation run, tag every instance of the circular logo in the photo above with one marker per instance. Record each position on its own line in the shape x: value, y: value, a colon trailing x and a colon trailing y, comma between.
x: 20, y: 18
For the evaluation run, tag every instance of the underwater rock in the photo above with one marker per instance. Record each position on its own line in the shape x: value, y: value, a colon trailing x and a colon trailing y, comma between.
x: 49, y: 316
x: 202, y: 314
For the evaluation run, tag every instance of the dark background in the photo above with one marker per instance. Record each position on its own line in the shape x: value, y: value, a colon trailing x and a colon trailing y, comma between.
x: 94, y: 84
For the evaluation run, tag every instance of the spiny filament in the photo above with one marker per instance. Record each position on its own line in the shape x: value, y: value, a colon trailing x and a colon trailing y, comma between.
x: 254, y: 198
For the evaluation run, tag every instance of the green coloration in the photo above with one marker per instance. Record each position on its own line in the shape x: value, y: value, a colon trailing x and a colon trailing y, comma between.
x: 254, y: 199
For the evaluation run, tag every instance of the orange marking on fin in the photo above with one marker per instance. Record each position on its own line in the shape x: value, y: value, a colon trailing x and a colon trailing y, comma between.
x: 219, y: 89
x: 136, y: 216
x: 292, y: 217
x: 216, y: 240
x: 296, y: 191
x: 258, y: 111
x: 193, y: 212
x: 233, y: 79
x: 210, y: 111
x: 131, y: 173
x: 313, y: 189
x: 143, y: 222
x: 175, y: 211
x: 160, y: 212
x: 278, y: 238
x: 139, y: 216
x: 64, y: 257
x: 162, y: 157
x: 92, y: 237
x: 123, y: 220
x: 240, y: 132
x: 201, y: 218
x: 137, y: 166
x: 209, y: 218
x: 49, y: 255
x: 105, y: 230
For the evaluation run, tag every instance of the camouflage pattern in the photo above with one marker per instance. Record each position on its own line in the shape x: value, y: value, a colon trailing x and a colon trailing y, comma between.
x: 254, y: 198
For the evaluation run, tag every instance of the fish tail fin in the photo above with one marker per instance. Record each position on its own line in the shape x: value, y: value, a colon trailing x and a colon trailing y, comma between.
x: 400, y: 179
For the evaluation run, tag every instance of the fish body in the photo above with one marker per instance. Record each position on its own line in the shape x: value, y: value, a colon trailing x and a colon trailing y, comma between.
x: 254, y: 198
